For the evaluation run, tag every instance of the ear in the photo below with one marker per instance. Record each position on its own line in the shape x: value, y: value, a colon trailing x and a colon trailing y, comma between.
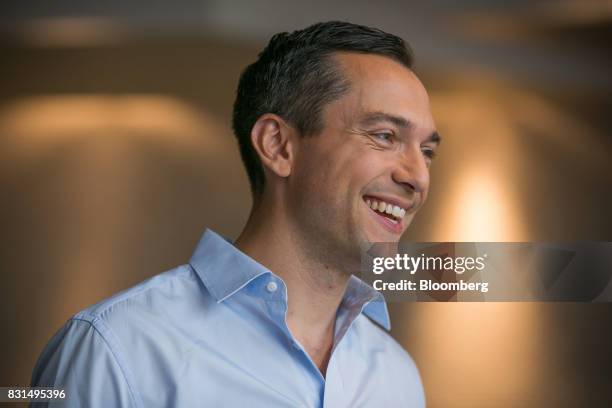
x: 272, y: 139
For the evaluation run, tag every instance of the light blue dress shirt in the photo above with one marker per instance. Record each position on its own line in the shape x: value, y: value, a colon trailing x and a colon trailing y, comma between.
x: 213, y: 334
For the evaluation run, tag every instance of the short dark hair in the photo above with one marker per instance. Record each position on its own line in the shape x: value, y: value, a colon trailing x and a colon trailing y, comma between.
x: 294, y: 78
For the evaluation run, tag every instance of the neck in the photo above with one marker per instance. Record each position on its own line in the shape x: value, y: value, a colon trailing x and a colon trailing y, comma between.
x: 314, y: 289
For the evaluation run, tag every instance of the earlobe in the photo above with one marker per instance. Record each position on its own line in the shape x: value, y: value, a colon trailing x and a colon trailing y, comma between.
x: 271, y: 140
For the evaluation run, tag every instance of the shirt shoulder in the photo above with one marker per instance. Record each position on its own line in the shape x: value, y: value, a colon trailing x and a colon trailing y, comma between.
x: 157, y: 289
x: 161, y: 313
x: 73, y: 360
x: 101, y: 349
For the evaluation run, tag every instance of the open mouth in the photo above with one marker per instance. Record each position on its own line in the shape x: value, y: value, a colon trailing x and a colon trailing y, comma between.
x: 393, y: 213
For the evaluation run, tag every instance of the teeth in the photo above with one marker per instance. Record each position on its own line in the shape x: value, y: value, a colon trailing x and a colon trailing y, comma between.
x: 383, y: 207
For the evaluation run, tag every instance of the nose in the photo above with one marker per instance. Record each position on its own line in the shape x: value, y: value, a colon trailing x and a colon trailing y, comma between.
x: 412, y: 171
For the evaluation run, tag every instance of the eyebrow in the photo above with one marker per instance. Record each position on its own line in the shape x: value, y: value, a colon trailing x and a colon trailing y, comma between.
x: 371, y: 118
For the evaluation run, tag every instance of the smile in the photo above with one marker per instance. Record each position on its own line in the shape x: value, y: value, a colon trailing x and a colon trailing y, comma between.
x: 389, y: 215
x: 394, y: 213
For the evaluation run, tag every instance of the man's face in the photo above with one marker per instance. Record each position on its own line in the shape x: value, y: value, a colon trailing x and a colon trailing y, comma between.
x: 375, y: 147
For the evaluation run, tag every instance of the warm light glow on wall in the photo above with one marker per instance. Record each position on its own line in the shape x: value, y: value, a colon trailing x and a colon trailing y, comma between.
x: 482, y: 354
x: 37, y: 123
x: 96, y: 147
x: 478, y: 201
x: 482, y: 210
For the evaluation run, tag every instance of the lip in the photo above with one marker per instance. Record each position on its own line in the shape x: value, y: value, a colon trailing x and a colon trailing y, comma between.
x: 384, y: 221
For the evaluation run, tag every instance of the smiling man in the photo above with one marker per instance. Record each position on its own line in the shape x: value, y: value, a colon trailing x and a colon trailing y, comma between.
x: 337, y: 136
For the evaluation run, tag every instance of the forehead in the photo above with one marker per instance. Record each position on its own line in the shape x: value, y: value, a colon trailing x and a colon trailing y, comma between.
x: 380, y: 84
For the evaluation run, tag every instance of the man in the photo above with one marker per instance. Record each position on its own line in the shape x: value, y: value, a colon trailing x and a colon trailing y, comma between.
x: 336, y: 134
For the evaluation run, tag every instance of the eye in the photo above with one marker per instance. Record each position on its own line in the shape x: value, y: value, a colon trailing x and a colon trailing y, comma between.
x: 383, y: 136
x: 428, y: 152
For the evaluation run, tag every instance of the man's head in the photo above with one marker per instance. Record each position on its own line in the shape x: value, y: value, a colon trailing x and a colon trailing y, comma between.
x: 330, y: 120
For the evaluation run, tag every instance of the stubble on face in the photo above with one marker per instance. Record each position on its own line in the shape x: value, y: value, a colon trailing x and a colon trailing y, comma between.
x: 336, y: 167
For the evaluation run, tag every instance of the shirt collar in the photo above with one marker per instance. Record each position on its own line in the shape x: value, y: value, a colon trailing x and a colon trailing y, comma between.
x: 372, y: 303
x: 225, y: 270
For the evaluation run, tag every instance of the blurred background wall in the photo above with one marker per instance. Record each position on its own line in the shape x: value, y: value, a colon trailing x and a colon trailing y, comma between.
x: 116, y: 152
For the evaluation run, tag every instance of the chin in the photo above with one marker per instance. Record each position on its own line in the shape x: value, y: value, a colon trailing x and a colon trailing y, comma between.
x: 376, y: 233
x: 373, y: 236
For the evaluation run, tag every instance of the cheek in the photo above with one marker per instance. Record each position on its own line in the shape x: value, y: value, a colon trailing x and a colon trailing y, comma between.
x: 309, y: 172
x: 369, y: 165
x: 353, y: 174
x: 309, y: 184
x: 368, y: 168
x: 336, y: 175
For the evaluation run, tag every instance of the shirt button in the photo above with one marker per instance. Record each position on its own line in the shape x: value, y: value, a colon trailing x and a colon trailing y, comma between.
x: 271, y: 286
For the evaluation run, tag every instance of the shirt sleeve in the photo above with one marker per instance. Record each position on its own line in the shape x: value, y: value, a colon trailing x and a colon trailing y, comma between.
x: 81, y: 359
